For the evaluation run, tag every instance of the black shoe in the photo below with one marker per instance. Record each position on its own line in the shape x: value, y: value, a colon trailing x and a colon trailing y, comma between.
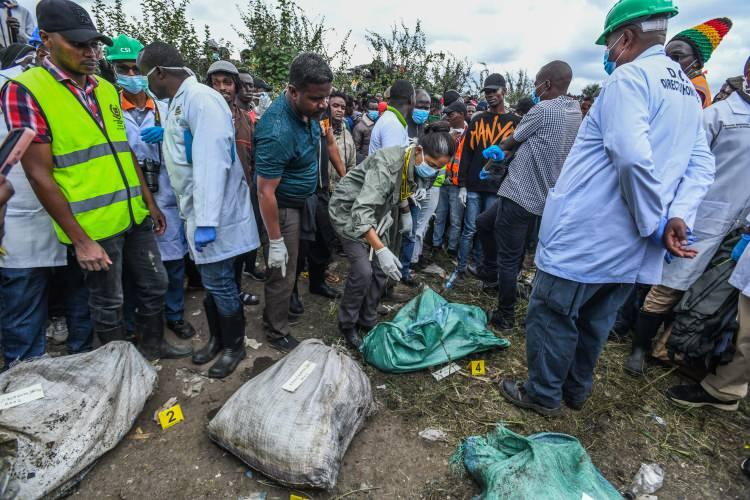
x: 284, y: 344
x: 410, y: 282
x: 364, y: 329
x: 213, y: 346
x: 745, y: 466
x: 295, y: 305
x: 452, y: 253
x: 695, y: 396
x: 352, y: 337
x: 489, y: 287
x: 325, y: 290
x: 501, y: 322
x: 233, y: 339
x: 149, y: 333
x: 514, y: 391
x: 574, y: 405
x: 181, y: 328
x: 249, y: 299
x: 636, y: 363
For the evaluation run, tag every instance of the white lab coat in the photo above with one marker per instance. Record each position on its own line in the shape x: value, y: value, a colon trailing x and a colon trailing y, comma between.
x: 640, y: 155
x: 30, y: 238
x: 172, y: 244
x: 212, y: 190
x: 727, y: 202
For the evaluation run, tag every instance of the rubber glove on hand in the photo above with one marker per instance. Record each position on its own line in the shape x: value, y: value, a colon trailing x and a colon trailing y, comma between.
x: 152, y: 135
x: 405, y: 223
x: 494, y: 153
x: 278, y: 255
x: 203, y: 236
x: 739, y: 248
x: 389, y: 263
x: 463, y: 195
x: 658, y: 235
x: 420, y: 194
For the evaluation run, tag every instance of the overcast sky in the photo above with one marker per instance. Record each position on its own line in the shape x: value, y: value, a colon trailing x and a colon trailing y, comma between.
x: 505, y: 35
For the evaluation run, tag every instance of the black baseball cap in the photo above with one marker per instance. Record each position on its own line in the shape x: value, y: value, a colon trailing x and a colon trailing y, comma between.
x: 493, y: 82
x: 68, y: 19
x: 457, y: 106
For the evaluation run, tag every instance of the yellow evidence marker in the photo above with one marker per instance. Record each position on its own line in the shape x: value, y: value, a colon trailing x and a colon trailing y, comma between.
x: 477, y: 367
x: 171, y: 416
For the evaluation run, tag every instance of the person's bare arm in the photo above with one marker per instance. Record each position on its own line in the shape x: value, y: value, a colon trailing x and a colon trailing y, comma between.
x: 269, y: 208
x: 160, y: 222
x: 373, y: 239
x: 37, y: 164
x: 333, y: 153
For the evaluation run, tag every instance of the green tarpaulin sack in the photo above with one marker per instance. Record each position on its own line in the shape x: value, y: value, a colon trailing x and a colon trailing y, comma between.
x: 545, y: 465
x: 426, y: 332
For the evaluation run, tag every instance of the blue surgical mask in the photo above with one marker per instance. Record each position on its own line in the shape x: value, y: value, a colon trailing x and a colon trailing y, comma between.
x: 132, y: 84
x: 536, y: 99
x: 373, y: 115
x: 420, y: 115
x: 425, y: 171
x: 610, y: 66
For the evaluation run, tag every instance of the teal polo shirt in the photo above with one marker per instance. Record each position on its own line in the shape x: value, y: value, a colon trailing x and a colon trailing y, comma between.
x: 286, y: 147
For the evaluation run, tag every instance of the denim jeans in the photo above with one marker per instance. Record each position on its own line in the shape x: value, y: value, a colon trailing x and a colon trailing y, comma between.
x: 408, y: 243
x: 422, y: 223
x: 219, y: 281
x: 502, y: 229
x: 23, y: 312
x: 567, y: 325
x: 24, y: 308
x: 136, y: 254
x: 449, y: 208
x: 476, y: 203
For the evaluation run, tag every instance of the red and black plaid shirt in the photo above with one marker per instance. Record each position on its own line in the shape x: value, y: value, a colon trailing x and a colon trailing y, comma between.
x: 21, y: 109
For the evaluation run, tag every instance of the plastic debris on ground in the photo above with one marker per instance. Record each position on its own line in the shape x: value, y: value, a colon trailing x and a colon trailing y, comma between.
x: 545, y: 465
x: 435, y: 269
x: 169, y: 403
x: 90, y: 403
x: 428, y: 331
x: 433, y: 434
x: 316, y: 394
x: 192, y: 382
x: 649, y: 479
x: 252, y: 343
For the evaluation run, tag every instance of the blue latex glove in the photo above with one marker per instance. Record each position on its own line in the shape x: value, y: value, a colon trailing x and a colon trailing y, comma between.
x: 152, y: 135
x: 739, y: 248
x: 203, y: 236
x: 483, y: 174
x: 494, y: 153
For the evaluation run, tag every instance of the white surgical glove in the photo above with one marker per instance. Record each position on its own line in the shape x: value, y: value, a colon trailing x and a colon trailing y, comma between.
x: 420, y: 195
x: 462, y: 196
x: 405, y: 223
x: 277, y: 255
x: 389, y: 263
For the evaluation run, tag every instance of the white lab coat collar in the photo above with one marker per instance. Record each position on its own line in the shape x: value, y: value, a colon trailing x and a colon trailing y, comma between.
x: 737, y: 104
x: 186, y: 83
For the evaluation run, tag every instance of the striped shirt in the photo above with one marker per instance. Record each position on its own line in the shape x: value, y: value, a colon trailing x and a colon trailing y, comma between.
x: 21, y: 109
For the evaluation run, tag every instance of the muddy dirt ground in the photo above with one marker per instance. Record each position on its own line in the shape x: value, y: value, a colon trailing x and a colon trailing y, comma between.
x: 699, y: 449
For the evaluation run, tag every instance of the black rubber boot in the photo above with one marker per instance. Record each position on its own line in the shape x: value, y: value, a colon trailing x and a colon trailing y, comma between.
x: 646, y: 326
x: 213, y: 346
x: 149, y: 332
x: 295, y: 304
x: 107, y: 336
x: 352, y: 337
x: 233, y: 339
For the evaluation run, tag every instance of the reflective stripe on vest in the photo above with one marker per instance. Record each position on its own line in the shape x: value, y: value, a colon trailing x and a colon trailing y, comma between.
x: 93, y: 166
x: 84, y: 155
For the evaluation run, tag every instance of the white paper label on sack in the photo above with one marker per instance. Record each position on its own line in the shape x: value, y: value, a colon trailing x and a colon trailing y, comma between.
x: 299, y: 376
x: 21, y: 396
x: 445, y: 371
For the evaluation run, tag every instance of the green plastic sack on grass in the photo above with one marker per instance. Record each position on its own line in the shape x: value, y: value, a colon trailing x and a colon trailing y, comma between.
x: 426, y: 332
x: 545, y: 465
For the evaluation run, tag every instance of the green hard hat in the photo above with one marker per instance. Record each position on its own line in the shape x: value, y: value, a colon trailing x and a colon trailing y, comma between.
x: 629, y: 10
x: 123, y: 48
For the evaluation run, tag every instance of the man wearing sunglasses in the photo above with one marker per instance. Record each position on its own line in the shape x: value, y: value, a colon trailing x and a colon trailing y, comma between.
x: 85, y: 175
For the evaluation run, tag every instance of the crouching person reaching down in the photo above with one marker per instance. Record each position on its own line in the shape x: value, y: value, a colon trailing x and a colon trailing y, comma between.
x: 212, y: 194
x: 361, y: 213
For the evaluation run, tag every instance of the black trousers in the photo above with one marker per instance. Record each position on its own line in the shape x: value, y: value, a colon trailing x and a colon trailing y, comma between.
x: 503, y: 230
x: 316, y: 254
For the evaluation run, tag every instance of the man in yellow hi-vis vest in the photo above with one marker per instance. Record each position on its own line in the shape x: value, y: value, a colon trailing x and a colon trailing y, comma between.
x: 81, y: 168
